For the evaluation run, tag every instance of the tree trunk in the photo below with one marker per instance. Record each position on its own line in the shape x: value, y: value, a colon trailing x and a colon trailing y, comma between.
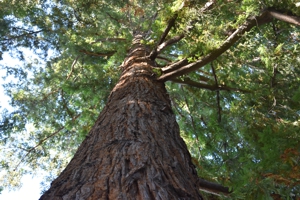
x: 134, y: 151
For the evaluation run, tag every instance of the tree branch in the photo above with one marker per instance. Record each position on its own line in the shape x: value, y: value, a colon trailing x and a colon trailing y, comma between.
x: 41, y: 142
x: 283, y: 17
x: 208, y: 5
x: 212, y: 188
x: 160, y: 46
x: 190, y: 82
x: 109, y: 40
x: 171, y: 23
x: 72, y: 67
x: 47, y: 95
x: 164, y: 58
x: 10, y: 37
x: 203, y: 78
x: 218, y: 93
x: 175, y: 66
x: 113, y: 18
x: 265, y: 17
x: 110, y: 53
x: 192, y: 119
x: 169, y: 42
x: 151, y: 19
x: 251, y: 22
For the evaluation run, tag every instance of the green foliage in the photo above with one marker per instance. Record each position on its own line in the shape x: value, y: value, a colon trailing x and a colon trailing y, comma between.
x: 157, y: 71
x: 246, y: 138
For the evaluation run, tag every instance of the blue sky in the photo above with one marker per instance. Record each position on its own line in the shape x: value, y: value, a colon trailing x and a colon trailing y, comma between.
x: 31, y: 188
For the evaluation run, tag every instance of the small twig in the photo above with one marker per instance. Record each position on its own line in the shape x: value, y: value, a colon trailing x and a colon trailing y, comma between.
x: 72, y: 67
x: 193, y: 122
x: 275, y: 30
x: 188, y: 108
x: 164, y: 58
x: 65, y: 104
x: 204, y: 72
x: 41, y: 142
x: 113, y: 18
x: 273, y: 78
x: 110, y: 53
x: 208, y: 6
x: 46, y: 96
x: 24, y: 34
x: 218, y: 92
x: 203, y: 121
x: 151, y: 19
x: 109, y: 40
x: 176, y: 108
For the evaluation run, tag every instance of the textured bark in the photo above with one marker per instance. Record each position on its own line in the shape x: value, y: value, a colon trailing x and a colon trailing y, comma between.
x: 134, y: 151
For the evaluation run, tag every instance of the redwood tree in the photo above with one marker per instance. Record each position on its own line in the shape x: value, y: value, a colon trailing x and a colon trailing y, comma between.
x: 242, y: 131
x: 134, y: 150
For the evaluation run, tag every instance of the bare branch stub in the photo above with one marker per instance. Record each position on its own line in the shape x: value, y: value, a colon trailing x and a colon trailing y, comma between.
x: 213, y: 188
x: 284, y: 17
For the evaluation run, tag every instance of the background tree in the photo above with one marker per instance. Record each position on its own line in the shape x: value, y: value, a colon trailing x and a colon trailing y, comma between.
x: 232, y: 72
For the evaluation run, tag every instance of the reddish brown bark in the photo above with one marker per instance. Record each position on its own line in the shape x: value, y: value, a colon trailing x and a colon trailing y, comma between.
x: 134, y: 151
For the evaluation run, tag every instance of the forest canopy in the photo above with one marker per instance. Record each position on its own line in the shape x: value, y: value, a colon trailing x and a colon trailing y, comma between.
x: 231, y: 69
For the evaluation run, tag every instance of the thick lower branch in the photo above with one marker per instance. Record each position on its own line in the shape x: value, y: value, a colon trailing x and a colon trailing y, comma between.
x: 172, y: 72
x: 234, y: 37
